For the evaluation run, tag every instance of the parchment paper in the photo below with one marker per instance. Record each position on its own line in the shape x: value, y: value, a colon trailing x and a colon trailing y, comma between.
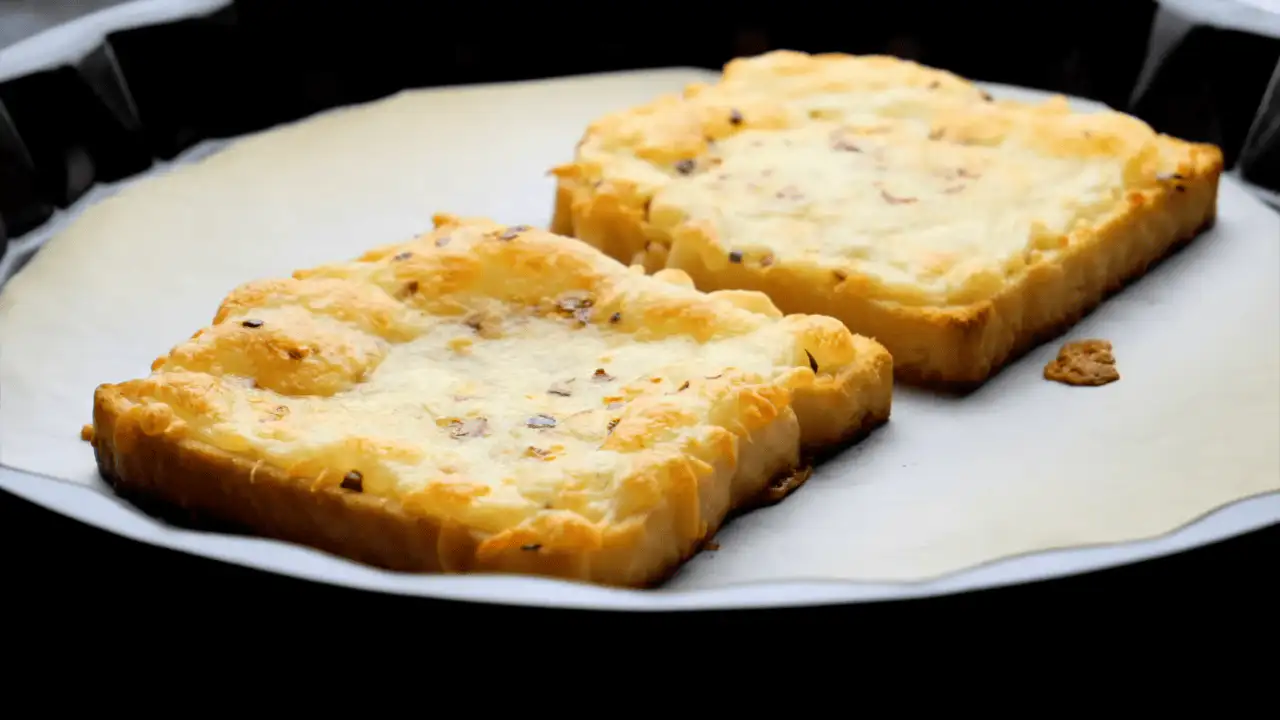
x: 1020, y: 466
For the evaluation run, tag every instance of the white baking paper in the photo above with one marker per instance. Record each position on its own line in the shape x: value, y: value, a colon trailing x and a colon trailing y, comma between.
x: 1022, y: 465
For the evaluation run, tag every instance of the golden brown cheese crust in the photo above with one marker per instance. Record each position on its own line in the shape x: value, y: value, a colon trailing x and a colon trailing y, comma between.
x: 489, y: 398
x: 957, y: 230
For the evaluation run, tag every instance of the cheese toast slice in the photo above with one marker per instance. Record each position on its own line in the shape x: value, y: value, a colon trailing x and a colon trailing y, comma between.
x: 957, y: 230
x: 490, y: 398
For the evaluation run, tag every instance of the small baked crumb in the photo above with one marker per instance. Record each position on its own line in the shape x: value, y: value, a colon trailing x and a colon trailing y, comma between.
x: 813, y: 363
x: 488, y: 327
x: 353, y: 481
x: 1083, y: 362
x: 86, y: 433
x: 784, y: 486
x: 540, y: 453
x: 711, y: 545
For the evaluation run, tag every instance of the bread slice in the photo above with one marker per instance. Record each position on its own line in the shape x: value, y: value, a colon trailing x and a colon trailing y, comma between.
x: 490, y: 398
x: 957, y: 230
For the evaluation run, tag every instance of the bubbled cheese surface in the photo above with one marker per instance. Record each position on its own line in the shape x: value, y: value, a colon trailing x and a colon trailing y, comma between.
x: 514, y: 371
x: 909, y: 177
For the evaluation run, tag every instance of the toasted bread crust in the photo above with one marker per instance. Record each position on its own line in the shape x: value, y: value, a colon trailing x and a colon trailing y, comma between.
x: 144, y: 450
x: 956, y: 345
x: 960, y: 348
x: 213, y: 488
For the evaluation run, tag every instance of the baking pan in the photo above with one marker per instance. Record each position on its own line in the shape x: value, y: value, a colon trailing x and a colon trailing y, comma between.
x: 110, y: 102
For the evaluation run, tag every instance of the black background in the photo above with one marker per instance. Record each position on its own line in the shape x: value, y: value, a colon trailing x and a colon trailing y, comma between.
x: 58, y: 568
x: 149, y: 93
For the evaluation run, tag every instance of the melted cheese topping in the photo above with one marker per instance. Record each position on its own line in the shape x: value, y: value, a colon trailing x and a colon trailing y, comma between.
x: 908, y: 177
x: 941, y: 218
x: 456, y: 362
